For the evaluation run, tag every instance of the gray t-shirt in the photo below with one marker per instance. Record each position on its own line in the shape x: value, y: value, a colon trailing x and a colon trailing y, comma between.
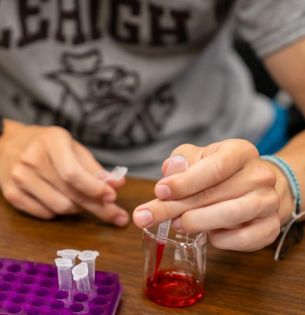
x: 134, y: 79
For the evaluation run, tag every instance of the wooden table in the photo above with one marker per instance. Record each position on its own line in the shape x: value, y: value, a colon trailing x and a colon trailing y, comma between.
x: 236, y: 283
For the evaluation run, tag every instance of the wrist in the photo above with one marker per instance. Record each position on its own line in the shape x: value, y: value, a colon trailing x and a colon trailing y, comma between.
x: 8, y: 125
x: 283, y: 189
x: 17, y: 132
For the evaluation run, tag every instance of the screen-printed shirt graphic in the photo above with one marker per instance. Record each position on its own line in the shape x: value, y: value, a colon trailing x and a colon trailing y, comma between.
x: 98, y: 101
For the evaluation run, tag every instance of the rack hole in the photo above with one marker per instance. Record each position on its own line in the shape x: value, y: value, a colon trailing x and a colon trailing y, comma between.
x: 38, y: 302
x: 80, y: 297
x: 107, y: 281
x: 33, y: 311
x: 31, y: 271
x: 57, y: 304
x: 99, y: 300
x: 13, y: 309
x: 27, y: 280
x: 61, y: 295
x: 19, y: 299
x: 96, y: 311
x: 76, y: 307
x: 2, y: 296
x: 103, y: 291
x: 42, y: 292
x: 46, y: 283
x: 23, y: 289
x: 9, y: 277
x: 14, y: 268
x: 4, y: 287
x: 51, y: 273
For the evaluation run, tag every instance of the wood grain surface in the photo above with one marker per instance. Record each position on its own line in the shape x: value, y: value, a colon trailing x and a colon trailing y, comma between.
x: 236, y: 283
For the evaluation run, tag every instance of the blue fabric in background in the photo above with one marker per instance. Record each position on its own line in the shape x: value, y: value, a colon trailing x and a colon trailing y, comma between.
x: 277, y: 135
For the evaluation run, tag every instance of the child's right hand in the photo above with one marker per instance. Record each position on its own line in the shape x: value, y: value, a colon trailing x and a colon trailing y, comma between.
x: 45, y: 172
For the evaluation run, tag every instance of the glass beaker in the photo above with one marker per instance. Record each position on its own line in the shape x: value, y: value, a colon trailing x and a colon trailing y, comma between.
x: 174, y: 268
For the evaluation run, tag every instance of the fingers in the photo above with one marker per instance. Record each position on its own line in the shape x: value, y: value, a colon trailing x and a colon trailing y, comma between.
x: 192, y: 216
x: 145, y: 215
x: 73, y: 199
x: 42, y: 191
x: 111, y: 213
x: 86, y: 159
x: 228, y: 214
x: 40, y: 163
x: 104, y: 175
x: 47, y: 172
x: 251, y: 237
x: 71, y: 170
x: 217, y: 165
x: 41, y: 155
x: 26, y: 203
x: 117, y: 183
x: 43, y: 200
x: 174, y: 165
x: 89, y: 163
x: 256, y: 175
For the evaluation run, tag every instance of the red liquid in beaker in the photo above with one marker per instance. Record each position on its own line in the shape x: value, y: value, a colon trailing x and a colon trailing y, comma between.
x: 173, y: 288
x: 159, y: 254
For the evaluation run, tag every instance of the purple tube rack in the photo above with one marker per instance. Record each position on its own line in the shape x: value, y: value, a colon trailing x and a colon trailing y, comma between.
x: 28, y: 288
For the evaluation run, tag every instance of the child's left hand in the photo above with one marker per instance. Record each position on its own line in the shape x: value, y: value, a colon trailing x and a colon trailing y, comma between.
x: 226, y: 191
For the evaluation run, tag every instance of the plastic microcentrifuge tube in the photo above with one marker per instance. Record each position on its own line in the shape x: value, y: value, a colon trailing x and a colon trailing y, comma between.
x: 68, y: 253
x: 64, y: 266
x: 81, y: 277
x: 89, y: 257
x: 116, y: 174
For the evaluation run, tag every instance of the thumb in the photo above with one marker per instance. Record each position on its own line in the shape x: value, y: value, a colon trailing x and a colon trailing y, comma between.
x: 175, y: 164
x: 88, y: 161
x: 181, y: 158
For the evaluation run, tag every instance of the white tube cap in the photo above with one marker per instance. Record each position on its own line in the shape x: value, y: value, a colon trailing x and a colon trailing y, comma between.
x: 80, y: 271
x: 88, y: 255
x: 63, y: 263
x: 117, y: 173
x: 68, y: 253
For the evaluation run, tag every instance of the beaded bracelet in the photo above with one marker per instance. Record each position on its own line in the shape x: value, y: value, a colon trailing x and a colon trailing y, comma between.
x: 295, y: 188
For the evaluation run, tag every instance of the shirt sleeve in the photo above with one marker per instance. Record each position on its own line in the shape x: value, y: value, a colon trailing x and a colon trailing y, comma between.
x: 269, y: 25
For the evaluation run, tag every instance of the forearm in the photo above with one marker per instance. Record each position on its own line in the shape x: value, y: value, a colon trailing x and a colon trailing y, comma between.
x: 287, y: 67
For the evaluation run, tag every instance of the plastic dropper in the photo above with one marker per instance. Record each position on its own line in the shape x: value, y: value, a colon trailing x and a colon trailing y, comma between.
x: 68, y: 253
x: 179, y: 166
x: 81, y: 277
x: 64, y: 266
x: 163, y: 230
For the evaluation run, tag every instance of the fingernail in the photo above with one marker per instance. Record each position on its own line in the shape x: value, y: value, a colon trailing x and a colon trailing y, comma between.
x: 102, y: 174
x: 142, y: 218
x: 176, y: 164
x: 163, y: 192
x: 176, y: 224
x: 121, y: 220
